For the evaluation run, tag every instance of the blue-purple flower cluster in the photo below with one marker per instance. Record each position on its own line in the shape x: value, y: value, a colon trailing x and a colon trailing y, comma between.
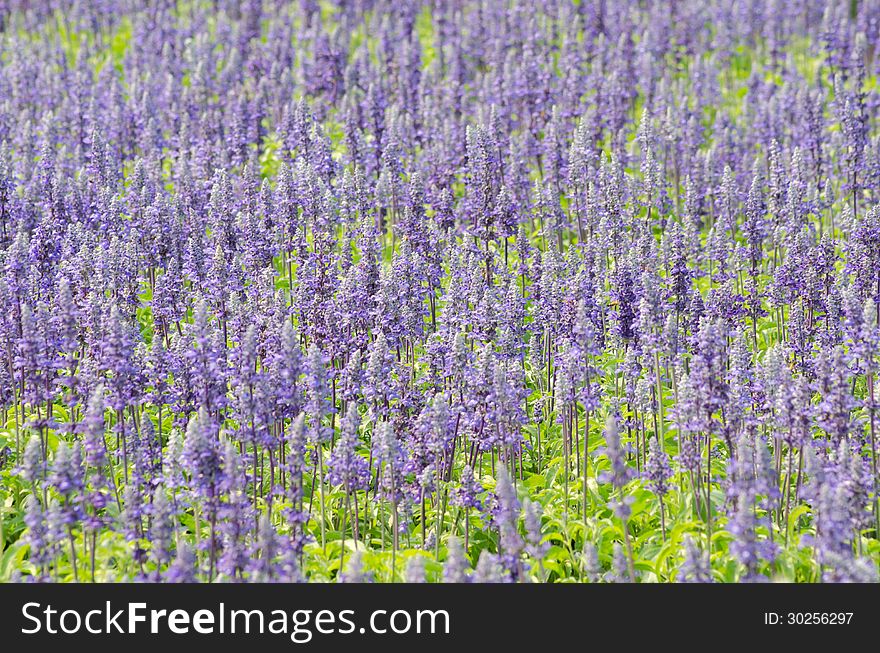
x: 454, y: 290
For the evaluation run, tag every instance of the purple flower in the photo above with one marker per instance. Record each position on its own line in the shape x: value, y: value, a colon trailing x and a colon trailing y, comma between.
x: 620, y: 473
x: 657, y: 468
x: 694, y: 567
x: 535, y: 545
x: 456, y: 567
x: 506, y: 517
x: 347, y: 467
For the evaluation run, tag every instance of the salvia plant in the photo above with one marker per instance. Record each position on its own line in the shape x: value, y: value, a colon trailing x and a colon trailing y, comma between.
x: 449, y: 291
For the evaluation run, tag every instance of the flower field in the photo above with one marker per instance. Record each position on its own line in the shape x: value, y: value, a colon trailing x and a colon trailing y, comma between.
x: 442, y: 291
